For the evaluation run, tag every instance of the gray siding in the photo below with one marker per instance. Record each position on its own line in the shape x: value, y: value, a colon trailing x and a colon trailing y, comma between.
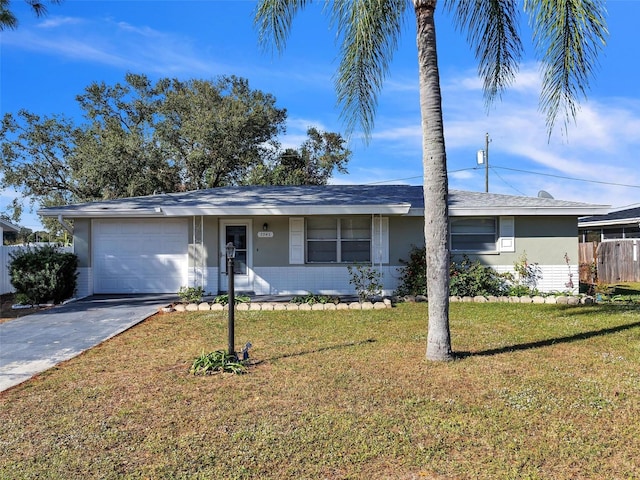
x: 82, y: 241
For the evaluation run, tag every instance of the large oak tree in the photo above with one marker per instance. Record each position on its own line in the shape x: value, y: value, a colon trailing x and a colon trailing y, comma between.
x: 142, y: 137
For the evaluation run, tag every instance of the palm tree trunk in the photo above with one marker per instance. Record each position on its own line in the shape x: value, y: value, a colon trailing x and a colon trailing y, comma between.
x: 434, y: 160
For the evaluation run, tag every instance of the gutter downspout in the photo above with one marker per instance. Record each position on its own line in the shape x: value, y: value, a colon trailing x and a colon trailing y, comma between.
x: 65, y: 225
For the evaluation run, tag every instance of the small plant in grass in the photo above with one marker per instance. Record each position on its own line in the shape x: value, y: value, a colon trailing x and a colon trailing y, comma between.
x: 224, y: 299
x: 366, y: 280
x: 190, y: 294
x: 217, y: 362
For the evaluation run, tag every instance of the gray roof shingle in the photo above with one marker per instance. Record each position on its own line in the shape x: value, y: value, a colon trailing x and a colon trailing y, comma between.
x: 284, y: 200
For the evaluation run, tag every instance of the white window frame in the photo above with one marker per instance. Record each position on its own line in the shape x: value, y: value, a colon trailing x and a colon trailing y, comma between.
x: 462, y: 234
x: 338, y: 240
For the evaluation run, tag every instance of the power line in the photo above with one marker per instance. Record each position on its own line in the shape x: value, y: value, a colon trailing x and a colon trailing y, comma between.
x: 417, y: 176
x: 508, y: 184
x: 492, y: 167
x: 567, y: 178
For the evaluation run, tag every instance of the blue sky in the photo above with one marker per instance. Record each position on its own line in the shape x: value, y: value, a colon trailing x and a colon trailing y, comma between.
x: 47, y: 61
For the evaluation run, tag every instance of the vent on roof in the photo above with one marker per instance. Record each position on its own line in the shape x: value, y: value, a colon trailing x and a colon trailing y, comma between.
x: 544, y: 194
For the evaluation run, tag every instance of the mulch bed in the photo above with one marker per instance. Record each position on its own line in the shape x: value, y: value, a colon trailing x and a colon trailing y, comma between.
x: 7, y: 301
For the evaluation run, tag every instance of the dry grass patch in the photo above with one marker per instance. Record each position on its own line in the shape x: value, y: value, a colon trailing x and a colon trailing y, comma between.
x: 540, y: 391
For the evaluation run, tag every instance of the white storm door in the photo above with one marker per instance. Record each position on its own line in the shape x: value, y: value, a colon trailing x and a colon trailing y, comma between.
x: 237, y: 232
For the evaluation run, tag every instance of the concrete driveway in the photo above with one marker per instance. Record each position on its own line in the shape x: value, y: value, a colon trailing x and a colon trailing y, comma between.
x: 34, y: 343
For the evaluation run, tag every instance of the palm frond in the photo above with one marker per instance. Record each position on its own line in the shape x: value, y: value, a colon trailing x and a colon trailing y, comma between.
x: 568, y: 35
x: 273, y: 20
x: 369, y: 30
x: 492, y: 31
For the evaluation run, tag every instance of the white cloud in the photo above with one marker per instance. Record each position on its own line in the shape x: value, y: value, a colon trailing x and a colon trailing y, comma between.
x: 58, y: 21
x: 601, y: 147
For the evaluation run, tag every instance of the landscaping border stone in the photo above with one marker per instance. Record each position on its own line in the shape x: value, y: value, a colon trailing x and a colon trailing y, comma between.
x: 382, y: 303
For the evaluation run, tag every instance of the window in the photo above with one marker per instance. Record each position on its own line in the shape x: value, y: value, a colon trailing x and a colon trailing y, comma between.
x: 473, y: 234
x: 341, y: 240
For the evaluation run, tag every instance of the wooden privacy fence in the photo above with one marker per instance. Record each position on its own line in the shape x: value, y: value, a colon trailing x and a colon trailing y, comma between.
x: 5, y: 260
x: 587, y: 254
x: 618, y: 261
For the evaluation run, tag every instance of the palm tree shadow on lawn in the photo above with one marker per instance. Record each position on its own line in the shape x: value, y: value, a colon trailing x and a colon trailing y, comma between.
x: 547, y: 343
x: 317, y: 350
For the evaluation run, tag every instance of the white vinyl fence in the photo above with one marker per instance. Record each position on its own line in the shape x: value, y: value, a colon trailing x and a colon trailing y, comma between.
x: 5, y: 260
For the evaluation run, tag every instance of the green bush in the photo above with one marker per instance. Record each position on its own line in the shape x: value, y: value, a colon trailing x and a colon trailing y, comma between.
x: 312, y: 298
x: 43, y: 273
x: 467, y: 278
x: 224, y: 299
x: 366, y: 280
x: 190, y: 294
x: 413, y: 276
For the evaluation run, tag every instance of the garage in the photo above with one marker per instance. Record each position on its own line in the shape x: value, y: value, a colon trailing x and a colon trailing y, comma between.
x: 140, y: 255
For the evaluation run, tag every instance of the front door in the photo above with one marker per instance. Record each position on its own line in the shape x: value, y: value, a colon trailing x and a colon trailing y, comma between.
x: 237, y: 232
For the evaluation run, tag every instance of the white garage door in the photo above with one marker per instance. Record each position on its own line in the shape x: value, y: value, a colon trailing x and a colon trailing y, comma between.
x: 140, y: 255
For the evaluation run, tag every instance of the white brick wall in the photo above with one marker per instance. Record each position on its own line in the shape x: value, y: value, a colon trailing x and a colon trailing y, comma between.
x: 553, y: 278
x: 84, y: 285
x: 299, y: 280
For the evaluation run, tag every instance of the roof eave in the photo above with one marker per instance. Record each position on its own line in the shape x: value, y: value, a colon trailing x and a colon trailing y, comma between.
x: 580, y: 211
x: 604, y: 223
x: 398, y: 209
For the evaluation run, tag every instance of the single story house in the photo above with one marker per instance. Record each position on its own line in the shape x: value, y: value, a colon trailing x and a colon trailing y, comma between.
x: 297, y: 239
x: 620, y: 224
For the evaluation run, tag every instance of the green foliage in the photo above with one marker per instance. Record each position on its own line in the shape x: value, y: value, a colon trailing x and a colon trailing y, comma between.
x: 8, y: 18
x: 224, y: 299
x: 527, y: 276
x: 22, y: 299
x: 312, y: 164
x: 217, y: 362
x: 413, y: 276
x: 43, y: 273
x: 469, y: 279
x: 190, y: 294
x: 312, y: 298
x: 366, y: 280
x: 140, y: 138
x: 520, y: 291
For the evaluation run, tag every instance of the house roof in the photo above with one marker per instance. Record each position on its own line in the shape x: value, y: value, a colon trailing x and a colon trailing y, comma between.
x: 318, y: 200
x: 620, y: 217
x: 7, y: 226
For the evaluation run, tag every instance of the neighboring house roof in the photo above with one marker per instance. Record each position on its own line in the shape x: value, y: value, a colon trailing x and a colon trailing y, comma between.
x: 629, y: 216
x: 7, y: 226
x: 318, y: 200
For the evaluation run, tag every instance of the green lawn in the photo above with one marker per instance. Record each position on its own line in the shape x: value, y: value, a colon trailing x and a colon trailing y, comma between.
x: 539, y: 391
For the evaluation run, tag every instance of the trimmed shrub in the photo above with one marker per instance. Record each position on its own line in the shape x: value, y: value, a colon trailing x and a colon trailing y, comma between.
x: 467, y: 278
x: 413, y: 276
x: 43, y: 273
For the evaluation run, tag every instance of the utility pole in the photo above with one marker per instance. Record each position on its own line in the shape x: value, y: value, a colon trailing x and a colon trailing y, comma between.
x: 486, y: 163
x: 483, y: 158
